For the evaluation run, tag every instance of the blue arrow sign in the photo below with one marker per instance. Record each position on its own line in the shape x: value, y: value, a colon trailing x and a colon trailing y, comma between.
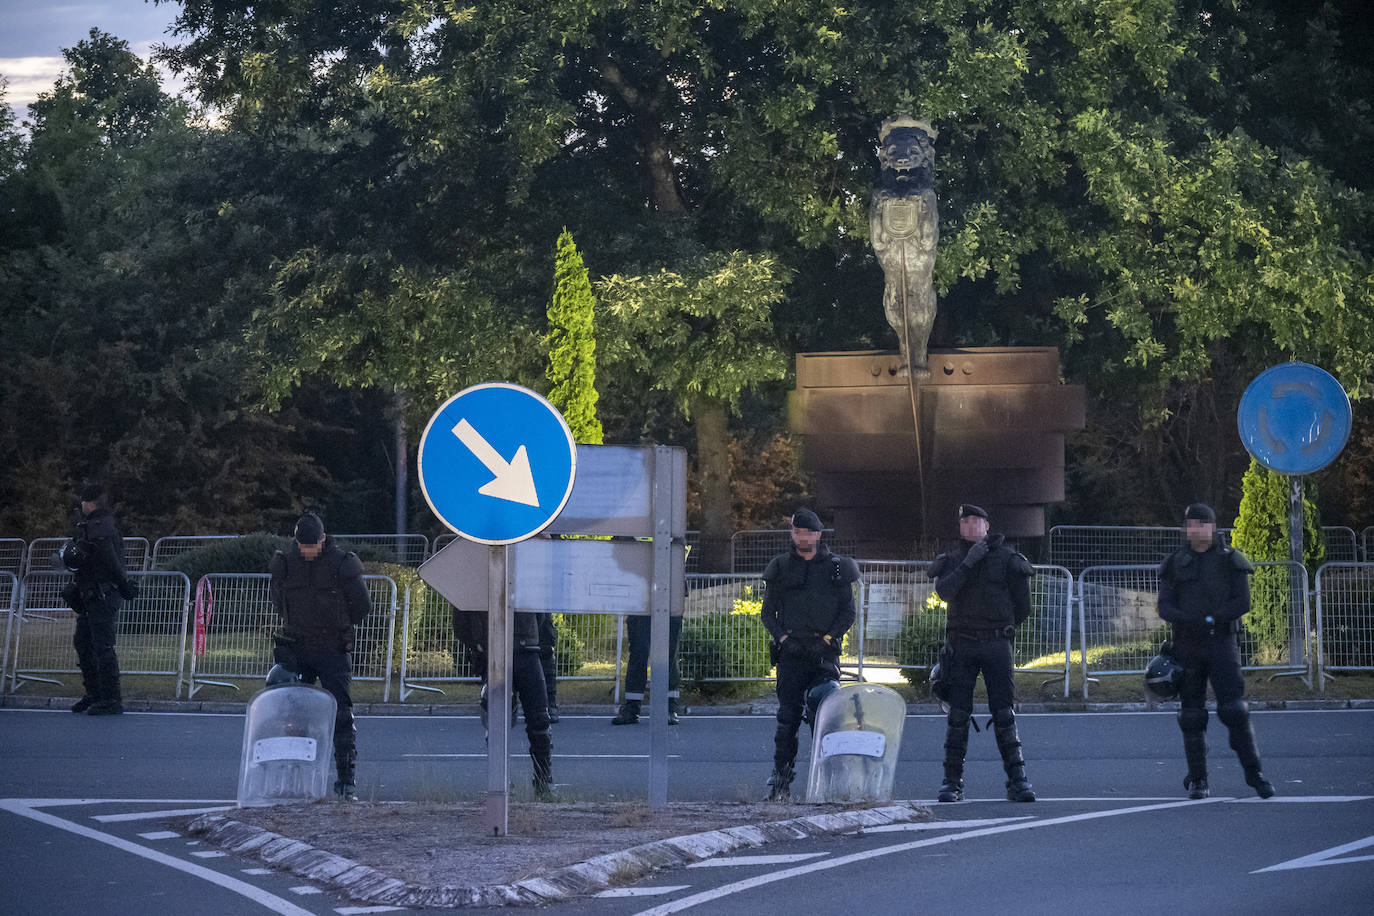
x: 1294, y: 418
x: 496, y: 463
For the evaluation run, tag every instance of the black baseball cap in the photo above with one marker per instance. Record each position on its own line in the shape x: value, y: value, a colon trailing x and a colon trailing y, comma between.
x: 969, y: 509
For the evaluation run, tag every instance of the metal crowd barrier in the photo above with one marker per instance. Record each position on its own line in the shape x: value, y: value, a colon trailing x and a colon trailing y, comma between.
x: 1120, y: 630
x: 723, y: 638
x: 41, y: 550
x: 232, y: 622
x: 172, y: 546
x: 1078, y: 547
x: 9, y: 601
x: 430, y: 656
x: 150, y: 639
x: 12, y: 556
x: 1367, y: 545
x: 1345, y: 619
x: 751, y: 550
x: 401, y: 549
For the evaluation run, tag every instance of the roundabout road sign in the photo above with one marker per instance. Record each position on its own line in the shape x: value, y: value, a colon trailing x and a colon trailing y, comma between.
x: 1294, y: 418
x: 496, y: 463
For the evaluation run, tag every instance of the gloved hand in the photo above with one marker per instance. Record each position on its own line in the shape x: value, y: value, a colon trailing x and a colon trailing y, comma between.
x: 128, y: 590
x: 794, y: 647
x: 976, y: 553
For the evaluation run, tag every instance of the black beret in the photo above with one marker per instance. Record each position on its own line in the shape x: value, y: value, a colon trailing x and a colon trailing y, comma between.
x: 968, y: 509
x: 805, y: 518
x: 309, y: 529
x: 1200, y: 512
x: 91, y: 492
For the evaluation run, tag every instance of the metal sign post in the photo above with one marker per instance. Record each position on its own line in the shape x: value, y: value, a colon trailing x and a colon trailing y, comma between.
x: 500, y: 624
x: 661, y: 608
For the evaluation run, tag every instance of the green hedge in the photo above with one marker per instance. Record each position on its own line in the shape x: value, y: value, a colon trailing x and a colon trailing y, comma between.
x: 724, y: 645
x: 918, y: 644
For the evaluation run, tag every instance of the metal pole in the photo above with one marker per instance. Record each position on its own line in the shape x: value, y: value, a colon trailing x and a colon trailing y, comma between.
x: 1296, y: 594
x: 499, y: 626
x: 661, y: 608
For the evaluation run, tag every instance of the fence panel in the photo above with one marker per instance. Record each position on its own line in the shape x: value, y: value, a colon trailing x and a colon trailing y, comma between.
x: 149, y: 641
x: 1341, y: 544
x: 39, y: 557
x: 233, y: 621
x: 750, y: 551
x: 9, y: 603
x: 401, y: 549
x: 1076, y: 547
x: 1119, y: 627
x: 723, y: 638
x: 12, y: 556
x: 1345, y: 618
x: 1367, y: 545
x: 169, y: 548
x: 588, y: 645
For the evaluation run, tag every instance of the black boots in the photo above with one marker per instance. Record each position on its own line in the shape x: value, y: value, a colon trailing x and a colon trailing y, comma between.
x: 1009, y: 745
x: 346, y: 791
x: 83, y: 704
x: 1255, y: 780
x: 780, y: 783
x: 673, y: 718
x: 1196, y: 784
x: 629, y: 713
x: 956, y: 746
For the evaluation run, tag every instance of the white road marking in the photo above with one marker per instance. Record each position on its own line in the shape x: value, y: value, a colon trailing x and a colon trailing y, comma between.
x: 944, y: 825
x: 305, y: 890
x: 676, y: 906
x: 1302, y: 799
x: 642, y: 891
x: 208, y: 854
x: 257, y: 871
x: 357, y: 910
x: 149, y: 815
x: 737, y: 861
x: 556, y: 756
x: 1333, y: 856
x: 1002, y: 799
x: 25, y: 807
x: 160, y: 835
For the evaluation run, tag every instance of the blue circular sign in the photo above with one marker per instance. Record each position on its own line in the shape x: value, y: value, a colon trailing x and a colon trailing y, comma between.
x: 1294, y: 418
x: 496, y: 463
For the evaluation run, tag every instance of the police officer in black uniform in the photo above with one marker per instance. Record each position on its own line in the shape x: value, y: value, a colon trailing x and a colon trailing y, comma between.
x: 987, y: 587
x: 548, y: 661
x: 319, y: 592
x: 95, y: 555
x: 808, y: 606
x: 1204, y: 590
x: 527, y: 684
x: 637, y: 670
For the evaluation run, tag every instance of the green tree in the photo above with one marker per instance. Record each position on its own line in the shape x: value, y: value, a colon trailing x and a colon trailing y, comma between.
x: 1261, y: 531
x: 571, y: 344
x: 705, y: 338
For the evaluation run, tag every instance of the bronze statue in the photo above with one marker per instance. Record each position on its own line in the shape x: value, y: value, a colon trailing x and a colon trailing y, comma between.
x: 903, y: 223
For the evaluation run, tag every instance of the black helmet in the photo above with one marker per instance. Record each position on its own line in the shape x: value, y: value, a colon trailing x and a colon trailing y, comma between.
x: 939, y: 683
x: 281, y: 675
x: 1163, y: 674
x: 74, y: 554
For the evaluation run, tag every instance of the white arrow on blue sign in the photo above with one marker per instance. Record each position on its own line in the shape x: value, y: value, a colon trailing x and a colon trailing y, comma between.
x: 497, y: 463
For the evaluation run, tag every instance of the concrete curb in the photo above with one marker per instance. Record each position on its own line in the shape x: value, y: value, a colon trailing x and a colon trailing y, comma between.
x: 367, y: 885
x: 224, y: 707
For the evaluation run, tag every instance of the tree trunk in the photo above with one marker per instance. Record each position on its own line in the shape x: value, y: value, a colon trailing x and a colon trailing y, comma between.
x: 713, y: 479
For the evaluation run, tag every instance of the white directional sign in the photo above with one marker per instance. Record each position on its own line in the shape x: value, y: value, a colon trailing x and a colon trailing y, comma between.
x: 497, y: 463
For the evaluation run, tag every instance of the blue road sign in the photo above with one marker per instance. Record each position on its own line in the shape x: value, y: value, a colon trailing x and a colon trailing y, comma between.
x: 1294, y: 418
x: 497, y: 463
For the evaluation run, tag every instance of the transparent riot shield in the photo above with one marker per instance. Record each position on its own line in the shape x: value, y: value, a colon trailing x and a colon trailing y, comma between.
x: 288, y: 743
x: 854, y: 744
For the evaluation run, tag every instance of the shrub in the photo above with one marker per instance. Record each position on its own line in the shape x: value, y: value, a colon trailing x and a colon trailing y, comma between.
x: 919, y: 643
x: 569, y: 650
x: 251, y: 553
x: 725, y: 645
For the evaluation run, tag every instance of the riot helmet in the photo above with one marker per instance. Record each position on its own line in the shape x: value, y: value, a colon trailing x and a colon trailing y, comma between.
x: 1164, y: 674
x: 74, y: 554
x: 281, y: 676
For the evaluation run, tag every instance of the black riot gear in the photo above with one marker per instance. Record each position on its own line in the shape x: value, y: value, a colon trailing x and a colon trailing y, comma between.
x: 99, y: 586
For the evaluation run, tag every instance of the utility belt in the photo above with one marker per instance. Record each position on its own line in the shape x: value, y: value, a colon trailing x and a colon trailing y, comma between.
x: 1205, y: 630
x: 321, y: 637
x: 1007, y: 632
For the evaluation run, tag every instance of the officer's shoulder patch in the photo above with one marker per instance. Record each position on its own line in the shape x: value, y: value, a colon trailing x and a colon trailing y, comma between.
x: 774, y: 569
x: 848, y: 569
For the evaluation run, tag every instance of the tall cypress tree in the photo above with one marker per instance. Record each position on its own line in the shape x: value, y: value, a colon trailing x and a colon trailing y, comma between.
x: 572, y: 344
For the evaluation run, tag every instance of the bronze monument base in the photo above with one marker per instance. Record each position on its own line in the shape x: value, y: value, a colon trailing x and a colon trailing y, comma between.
x: 992, y: 433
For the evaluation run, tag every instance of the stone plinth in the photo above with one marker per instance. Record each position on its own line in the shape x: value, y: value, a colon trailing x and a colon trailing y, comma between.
x: 993, y: 421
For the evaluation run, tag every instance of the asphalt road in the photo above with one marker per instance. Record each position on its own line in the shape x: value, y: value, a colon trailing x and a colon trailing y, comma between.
x: 1112, y: 829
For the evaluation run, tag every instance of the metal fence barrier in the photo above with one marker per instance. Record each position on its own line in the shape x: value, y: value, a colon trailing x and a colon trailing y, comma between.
x: 170, y: 547
x: 723, y: 638
x: 1077, y: 547
x: 150, y: 639
x: 751, y: 550
x: 1120, y: 630
x: 39, y: 557
x: 401, y: 549
x: 589, y: 646
x: 9, y: 603
x: 12, y: 556
x: 1345, y: 618
x: 232, y: 623
x: 1367, y: 545
x: 902, y: 620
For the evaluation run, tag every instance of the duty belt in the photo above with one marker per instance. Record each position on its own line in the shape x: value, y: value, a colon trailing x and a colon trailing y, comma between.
x: 999, y: 633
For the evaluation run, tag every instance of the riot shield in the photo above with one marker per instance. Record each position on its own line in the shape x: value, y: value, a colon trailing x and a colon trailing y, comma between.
x: 854, y: 744
x: 288, y: 742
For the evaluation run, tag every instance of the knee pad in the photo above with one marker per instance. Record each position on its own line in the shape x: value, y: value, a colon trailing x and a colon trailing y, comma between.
x: 1192, y: 720
x: 1003, y: 717
x: 958, y: 718
x: 1234, y: 713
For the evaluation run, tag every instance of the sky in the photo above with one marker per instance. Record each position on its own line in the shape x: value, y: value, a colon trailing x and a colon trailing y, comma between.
x: 34, y: 32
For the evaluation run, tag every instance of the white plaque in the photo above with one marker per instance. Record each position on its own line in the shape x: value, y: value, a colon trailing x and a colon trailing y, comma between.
x: 864, y: 744
x: 266, y: 749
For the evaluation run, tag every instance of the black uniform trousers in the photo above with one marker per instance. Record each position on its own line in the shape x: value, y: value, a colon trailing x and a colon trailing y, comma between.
x: 797, y: 673
x: 97, y: 621
x: 1208, y: 658
x: 990, y: 657
x: 527, y: 685
x: 333, y: 668
x: 637, y: 629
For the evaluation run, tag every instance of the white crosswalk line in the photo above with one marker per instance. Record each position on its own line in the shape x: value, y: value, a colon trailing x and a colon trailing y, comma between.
x: 736, y: 861
x: 642, y: 891
x: 160, y: 835
x: 305, y: 889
